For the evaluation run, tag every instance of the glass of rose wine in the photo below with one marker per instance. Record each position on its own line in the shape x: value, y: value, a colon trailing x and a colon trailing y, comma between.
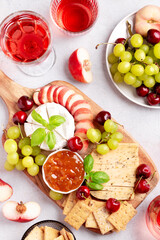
x: 153, y: 217
x: 74, y: 17
x: 25, y: 37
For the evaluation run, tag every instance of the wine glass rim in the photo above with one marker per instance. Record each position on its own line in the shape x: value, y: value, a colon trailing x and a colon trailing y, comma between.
x: 75, y: 33
x: 41, y: 17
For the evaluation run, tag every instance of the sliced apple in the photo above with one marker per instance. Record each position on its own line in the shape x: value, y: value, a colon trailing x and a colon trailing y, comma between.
x: 64, y: 94
x: 81, y: 132
x: 6, y: 191
x: 86, y: 124
x: 35, y: 97
x: 20, y: 212
x: 83, y: 114
x: 56, y: 93
x: 42, y: 97
x: 83, y: 151
x: 80, y: 66
x: 51, y: 92
x: 79, y: 104
x: 72, y: 99
x: 147, y: 18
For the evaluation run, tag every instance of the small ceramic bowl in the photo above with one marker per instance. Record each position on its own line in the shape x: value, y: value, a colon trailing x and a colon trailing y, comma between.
x: 43, y: 172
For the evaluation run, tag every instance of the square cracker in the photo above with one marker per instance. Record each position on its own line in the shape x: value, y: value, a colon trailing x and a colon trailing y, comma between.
x: 78, y: 214
x: 70, y: 202
x: 50, y: 233
x: 101, y: 215
x: 36, y: 234
x: 67, y: 235
x: 59, y: 238
x: 120, y: 218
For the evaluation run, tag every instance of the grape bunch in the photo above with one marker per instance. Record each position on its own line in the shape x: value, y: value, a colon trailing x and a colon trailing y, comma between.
x: 136, y: 62
x: 110, y: 138
x: 21, y: 155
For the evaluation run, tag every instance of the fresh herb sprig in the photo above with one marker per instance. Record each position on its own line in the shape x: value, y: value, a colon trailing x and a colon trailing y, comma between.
x: 94, y: 179
x: 40, y: 134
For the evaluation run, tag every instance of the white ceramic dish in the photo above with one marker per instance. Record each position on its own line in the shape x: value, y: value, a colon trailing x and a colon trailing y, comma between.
x: 43, y: 175
x: 129, y: 92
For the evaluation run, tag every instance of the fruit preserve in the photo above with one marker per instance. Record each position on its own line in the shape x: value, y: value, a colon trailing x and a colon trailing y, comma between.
x: 63, y: 171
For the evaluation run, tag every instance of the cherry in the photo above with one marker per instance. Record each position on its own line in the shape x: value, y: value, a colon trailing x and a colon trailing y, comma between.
x: 123, y: 41
x: 153, y: 98
x: 25, y: 103
x: 83, y: 192
x: 19, y: 117
x: 102, y: 117
x: 143, y: 171
x: 75, y: 144
x: 153, y: 36
x: 157, y: 88
x: 142, y: 186
x: 142, y: 91
x: 112, y: 205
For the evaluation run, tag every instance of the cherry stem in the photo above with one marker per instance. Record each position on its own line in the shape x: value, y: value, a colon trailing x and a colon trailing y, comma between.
x: 119, y: 124
x: 138, y: 183
x: 103, y: 44
x: 129, y: 28
x: 20, y: 130
x: 153, y: 175
x: 83, y: 196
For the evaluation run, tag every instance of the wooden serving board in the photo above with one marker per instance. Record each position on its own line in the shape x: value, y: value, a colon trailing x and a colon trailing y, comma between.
x: 11, y: 92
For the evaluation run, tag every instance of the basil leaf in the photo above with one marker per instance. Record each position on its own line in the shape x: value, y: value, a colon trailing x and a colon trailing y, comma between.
x: 37, y: 117
x: 38, y: 137
x: 56, y: 120
x: 50, y: 140
x: 88, y: 163
x: 86, y: 176
x: 95, y: 186
x: 91, y: 174
x: 100, y: 177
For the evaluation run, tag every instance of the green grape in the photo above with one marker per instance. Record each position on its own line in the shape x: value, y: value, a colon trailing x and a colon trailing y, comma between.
x: 112, y: 144
x: 157, y: 77
x: 118, y: 49
x: 137, y: 83
x: 118, y: 77
x: 145, y: 48
x: 55, y: 196
x: 149, y: 70
x: 13, y: 158
x: 27, y: 161
x: 105, y: 136
x: 39, y: 159
x: 19, y: 165
x: 136, y: 40
x: 24, y: 141
x: 114, y: 68
x: 137, y: 70
x: 156, y: 68
x: 8, y: 166
x: 112, y: 58
x: 102, y: 149
x: 124, y: 67
x: 13, y: 132
x: 33, y: 170
x: 139, y: 55
x: 26, y: 150
x: 126, y: 56
x: 149, y: 82
x: 10, y: 146
x: 148, y: 60
x: 36, y: 150
x: 156, y: 50
x: 151, y: 54
x: 117, y: 136
x: 94, y: 135
x: 143, y: 77
x: 110, y: 126
x: 129, y: 78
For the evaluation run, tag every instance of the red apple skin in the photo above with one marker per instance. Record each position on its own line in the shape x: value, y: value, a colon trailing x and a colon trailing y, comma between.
x: 6, y: 191
x: 50, y: 93
x: 35, y: 97
x: 42, y: 97
x: 86, y: 124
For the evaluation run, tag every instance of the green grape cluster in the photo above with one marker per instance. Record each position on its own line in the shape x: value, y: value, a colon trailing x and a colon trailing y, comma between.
x: 22, y: 155
x: 107, y: 140
x: 136, y: 65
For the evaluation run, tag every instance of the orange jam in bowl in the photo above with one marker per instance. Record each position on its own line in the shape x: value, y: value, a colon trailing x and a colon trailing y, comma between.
x: 63, y: 171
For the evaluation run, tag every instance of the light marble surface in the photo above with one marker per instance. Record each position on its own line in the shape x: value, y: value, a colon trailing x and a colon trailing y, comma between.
x: 141, y: 123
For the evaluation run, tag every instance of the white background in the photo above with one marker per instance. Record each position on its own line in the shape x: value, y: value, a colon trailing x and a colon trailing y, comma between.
x: 143, y: 124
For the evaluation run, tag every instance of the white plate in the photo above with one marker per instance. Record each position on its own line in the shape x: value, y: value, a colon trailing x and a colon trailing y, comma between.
x: 120, y: 31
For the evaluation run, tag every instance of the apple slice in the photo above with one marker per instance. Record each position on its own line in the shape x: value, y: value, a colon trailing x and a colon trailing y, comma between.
x: 43, y: 97
x: 81, y: 132
x: 86, y: 124
x: 64, y: 94
x: 80, y: 66
x: 147, y: 18
x: 84, y: 149
x: 51, y: 92
x: 20, y: 212
x: 56, y: 93
x: 72, y: 99
x: 35, y: 97
x: 83, y: 114
x: 79, y: 104
x: 6, y: 191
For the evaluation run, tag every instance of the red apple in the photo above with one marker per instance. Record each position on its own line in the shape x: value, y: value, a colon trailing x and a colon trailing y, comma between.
x: 43, y: 97
x: 72, y: 99
x: 80, y: 66
x: 35, y: 97
x: 20, y: 212
x: 83, y: 113
x: 86, y: 124
x: 6, y: 191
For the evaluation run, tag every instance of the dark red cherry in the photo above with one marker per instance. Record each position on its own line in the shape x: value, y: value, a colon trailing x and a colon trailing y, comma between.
x: 19, y: 117
x: 123, y: 41
x: 142, y: 186
x: 75, y: 144
x: 153, y: 99
x: 142, y: 91
x: 153, y: 36
x: 112, y: 205
x: 102, y: 117
x: 25, y: 103
x: 83, y: 192
x: 143, y: 171
x: 157, y: 88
